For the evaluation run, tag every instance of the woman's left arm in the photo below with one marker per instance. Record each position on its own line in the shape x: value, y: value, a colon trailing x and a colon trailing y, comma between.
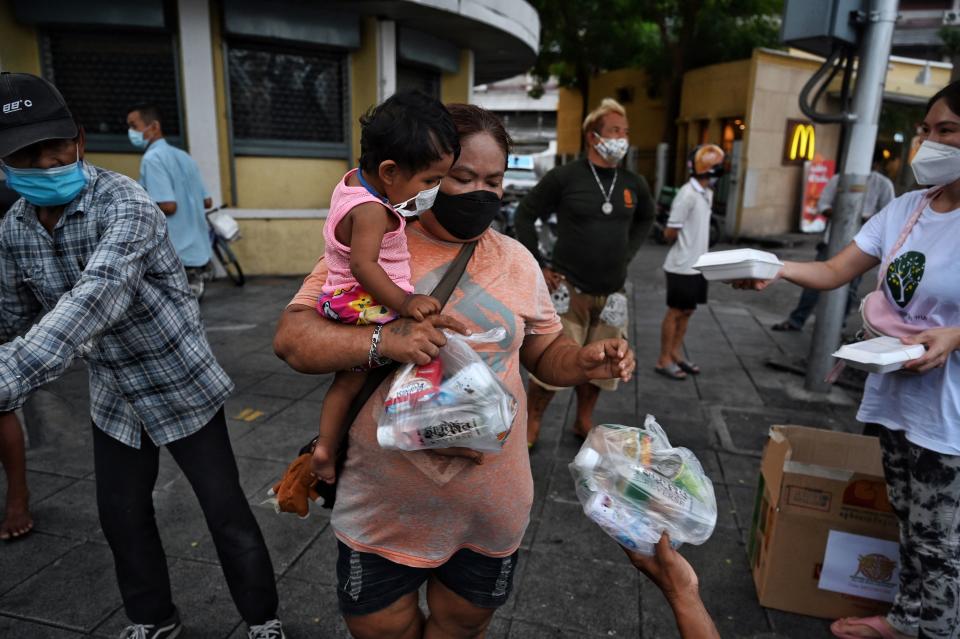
x: 559, y: 361
x: 940, y: 343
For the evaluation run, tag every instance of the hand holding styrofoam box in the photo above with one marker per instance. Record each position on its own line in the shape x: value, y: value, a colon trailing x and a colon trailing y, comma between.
x: 739, y: 264
x: 879, y: 355
x: 635, y: 486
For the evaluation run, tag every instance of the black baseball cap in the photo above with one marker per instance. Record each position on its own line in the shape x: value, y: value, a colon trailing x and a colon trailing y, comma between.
x: 31, y: 111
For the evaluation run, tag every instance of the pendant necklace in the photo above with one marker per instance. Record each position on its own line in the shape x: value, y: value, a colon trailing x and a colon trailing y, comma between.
x: 607, y: 207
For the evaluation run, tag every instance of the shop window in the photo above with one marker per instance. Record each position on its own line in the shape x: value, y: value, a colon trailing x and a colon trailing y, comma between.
x: 287, y: 101
x: 410, y: 78
x: 101, y: 74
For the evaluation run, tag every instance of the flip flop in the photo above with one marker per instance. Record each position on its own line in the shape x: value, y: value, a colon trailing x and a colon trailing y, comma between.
x: 689, y: 367
x: 874, y: 623
x: 670, y: 371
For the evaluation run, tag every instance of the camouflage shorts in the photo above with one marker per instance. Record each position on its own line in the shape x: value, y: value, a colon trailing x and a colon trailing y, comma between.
x: 924, y: 489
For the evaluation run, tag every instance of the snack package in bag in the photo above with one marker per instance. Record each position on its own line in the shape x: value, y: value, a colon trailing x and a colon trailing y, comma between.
x: 635, y: 486
x: 455, y: 400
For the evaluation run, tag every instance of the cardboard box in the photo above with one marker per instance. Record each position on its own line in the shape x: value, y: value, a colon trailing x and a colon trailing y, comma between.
x: 813, y: 482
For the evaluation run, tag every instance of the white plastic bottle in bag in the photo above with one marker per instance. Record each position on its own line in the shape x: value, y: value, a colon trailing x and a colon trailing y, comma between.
x: 628, y: 527
x: 447, y: 427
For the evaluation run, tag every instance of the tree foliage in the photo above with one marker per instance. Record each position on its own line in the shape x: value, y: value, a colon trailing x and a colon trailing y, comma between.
x: 580, y: 38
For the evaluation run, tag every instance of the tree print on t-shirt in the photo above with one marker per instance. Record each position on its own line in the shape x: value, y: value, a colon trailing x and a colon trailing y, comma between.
x: 904, y: 275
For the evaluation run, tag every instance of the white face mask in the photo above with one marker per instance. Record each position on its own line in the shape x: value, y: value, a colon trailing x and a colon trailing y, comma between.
x: 422, y: 201
x: 936, y: 164
x: 612, y: 149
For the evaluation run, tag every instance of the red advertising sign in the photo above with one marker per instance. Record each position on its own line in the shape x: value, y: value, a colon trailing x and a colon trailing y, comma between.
x: 816, y: 174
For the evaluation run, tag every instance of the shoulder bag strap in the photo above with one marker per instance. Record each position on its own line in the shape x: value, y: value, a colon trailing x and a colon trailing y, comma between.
x: 911, y: 222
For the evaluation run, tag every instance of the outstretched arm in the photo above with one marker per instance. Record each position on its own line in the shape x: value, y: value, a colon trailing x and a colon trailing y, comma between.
x: 822, y: 276
x: 559, y: 361
x: 100, y: 297
x: 679, y: 584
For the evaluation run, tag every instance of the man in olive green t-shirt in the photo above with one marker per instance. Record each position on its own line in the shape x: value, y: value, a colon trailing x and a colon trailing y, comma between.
x: 604, y: 213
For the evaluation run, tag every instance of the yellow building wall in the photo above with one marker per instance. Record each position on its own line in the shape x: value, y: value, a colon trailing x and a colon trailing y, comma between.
x: 220, y: 97
x: 19, y: 47
x: 363, y: 81
x: 715, y: 92
x: 279, y: 247
x: 770, y: 197
x: 286, y: 183
x: 569, y: 118
x: 455, y: 87
x: 126, y: 163
x: 902, y: 79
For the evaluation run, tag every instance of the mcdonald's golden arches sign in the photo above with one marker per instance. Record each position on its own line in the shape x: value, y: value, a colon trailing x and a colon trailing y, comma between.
x: 800, y: 142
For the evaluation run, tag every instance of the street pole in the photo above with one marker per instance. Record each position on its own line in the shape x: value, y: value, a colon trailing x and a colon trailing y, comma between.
x: 879, y: 21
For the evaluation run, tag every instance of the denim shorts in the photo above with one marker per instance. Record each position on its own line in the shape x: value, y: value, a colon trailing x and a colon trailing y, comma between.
x: 367, y: 583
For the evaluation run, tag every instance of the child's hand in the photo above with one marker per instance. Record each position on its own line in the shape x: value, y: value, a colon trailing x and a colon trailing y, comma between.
x: 419, y: 307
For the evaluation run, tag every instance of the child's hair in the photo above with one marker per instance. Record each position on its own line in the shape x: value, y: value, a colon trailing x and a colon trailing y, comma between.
x: 410, y: 128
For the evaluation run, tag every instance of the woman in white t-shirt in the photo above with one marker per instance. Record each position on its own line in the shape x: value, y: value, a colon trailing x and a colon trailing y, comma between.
x: 918, y: 410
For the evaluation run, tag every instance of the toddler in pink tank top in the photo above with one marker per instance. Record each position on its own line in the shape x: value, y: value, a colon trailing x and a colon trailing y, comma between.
x: 407, y: 144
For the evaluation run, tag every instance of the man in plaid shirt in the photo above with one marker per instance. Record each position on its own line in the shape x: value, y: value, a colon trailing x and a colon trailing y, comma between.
x: 89, y: 250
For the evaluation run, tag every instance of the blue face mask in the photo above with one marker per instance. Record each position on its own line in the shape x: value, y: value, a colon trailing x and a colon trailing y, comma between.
x: 136, y: 138
x: 47, y: 187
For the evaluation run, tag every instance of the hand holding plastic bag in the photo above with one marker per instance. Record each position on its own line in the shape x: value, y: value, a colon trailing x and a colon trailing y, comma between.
x: 635, y: 486
x: 454, y: 401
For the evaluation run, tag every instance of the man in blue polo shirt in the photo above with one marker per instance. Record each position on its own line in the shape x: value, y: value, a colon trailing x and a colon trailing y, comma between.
x: 172, y: 179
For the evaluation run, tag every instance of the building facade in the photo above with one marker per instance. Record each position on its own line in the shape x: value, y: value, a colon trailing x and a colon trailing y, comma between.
x: 266, y: 96
x: 751, y: 109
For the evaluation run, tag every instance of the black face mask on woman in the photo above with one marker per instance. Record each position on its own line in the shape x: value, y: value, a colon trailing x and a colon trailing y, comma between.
x: 467, y: 215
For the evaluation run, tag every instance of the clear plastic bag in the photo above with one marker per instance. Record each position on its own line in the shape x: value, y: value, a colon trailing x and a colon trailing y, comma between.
x: 456, y: 400
x: 561, y: 298
x: 635, y: 486
x: 614, y: 312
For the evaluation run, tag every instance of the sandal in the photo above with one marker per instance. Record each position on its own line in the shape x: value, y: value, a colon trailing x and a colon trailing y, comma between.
x: 884, y: 631
x: 689, y: 367
x: 671, y: 371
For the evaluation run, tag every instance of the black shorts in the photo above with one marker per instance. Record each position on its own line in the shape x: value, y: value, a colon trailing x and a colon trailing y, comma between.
x: 684, y: 292
x: 367, y: 582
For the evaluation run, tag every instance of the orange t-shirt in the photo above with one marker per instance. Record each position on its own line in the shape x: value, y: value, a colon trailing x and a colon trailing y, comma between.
x: 419, y: 508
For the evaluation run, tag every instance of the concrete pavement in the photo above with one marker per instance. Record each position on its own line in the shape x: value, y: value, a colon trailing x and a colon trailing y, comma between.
x: 572, y: 581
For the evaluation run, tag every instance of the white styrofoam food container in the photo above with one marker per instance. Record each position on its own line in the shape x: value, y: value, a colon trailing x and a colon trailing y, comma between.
x: 879, y: 355
x: 738, y: 264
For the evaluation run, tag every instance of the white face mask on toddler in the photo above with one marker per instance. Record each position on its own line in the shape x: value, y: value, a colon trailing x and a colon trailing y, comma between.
x: 936, y: 164
x: 422, y: 201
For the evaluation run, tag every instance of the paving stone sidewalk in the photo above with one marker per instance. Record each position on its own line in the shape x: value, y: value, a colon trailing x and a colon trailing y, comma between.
x: 572, y: 581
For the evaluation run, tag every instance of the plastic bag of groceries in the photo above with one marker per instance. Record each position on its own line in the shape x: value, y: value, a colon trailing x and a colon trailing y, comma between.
x: 635, y: 486
x: 455, y: 400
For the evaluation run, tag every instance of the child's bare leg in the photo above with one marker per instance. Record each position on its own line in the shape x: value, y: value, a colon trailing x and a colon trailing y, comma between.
x: 336, y: 404
x: 17, y: 520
